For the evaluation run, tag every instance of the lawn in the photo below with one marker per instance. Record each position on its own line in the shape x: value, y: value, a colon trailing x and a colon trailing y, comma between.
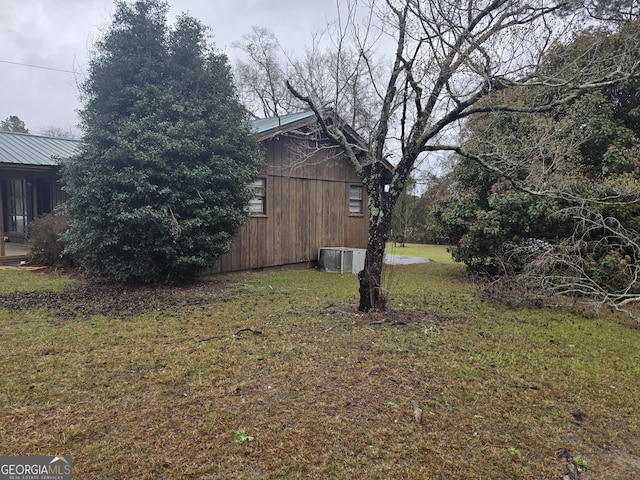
x: 437, y: 253
x: 274, y: 375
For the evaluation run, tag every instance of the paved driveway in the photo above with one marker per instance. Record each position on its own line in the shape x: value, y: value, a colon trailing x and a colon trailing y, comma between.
x: 392, y: 259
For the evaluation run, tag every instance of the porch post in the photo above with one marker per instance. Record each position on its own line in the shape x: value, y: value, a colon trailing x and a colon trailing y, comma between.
x: 1, y: 222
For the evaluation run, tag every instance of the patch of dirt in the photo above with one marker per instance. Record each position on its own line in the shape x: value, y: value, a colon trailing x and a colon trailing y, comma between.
x: 91, y: 298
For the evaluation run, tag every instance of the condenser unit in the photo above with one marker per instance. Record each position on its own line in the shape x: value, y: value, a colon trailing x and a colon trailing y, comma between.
x: 341, y: 259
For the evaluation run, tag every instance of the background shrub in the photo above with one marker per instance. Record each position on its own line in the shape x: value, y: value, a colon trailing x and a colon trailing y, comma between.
x: 46, y: 243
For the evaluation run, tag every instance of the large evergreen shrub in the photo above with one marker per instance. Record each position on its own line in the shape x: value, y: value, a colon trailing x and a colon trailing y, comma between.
x: 159, y: 189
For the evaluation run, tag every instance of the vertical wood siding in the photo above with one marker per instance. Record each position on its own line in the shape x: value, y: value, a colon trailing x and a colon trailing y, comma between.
x: 307, y: 207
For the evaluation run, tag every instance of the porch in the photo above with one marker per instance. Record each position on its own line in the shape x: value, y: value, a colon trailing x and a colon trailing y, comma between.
x: 13, y: 253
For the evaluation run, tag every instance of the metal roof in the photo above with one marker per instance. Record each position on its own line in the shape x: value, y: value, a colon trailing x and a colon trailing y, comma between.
x: 26, y: 149
x: 268, y: 127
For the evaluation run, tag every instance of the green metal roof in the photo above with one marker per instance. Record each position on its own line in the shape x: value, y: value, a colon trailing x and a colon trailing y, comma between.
x: 26, y: 149
x: 268, y: 127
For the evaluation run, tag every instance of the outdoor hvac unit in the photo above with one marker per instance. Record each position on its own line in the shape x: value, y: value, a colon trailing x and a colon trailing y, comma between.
x: 341, y: 259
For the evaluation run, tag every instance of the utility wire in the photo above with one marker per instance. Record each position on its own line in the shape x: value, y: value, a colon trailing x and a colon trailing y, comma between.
x: 40, y: 66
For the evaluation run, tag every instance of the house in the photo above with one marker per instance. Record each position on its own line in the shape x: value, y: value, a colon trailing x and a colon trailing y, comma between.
x: 307, y: 196
x: 29, y: 180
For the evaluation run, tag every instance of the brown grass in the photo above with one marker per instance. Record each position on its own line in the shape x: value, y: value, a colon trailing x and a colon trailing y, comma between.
x: 275, y: 375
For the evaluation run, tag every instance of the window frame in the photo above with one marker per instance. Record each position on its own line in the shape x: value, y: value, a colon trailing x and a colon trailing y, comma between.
x: 356, y: 200
x: 259, y: 189
x: 16, y: 193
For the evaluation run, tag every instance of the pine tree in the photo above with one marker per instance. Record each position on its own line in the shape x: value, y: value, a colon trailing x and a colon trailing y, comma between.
x: 13, y: 124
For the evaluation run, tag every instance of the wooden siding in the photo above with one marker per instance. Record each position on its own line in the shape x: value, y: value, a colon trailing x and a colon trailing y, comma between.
x: 307, y: 207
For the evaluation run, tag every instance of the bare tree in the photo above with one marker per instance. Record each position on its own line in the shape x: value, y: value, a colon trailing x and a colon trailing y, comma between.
x: 55, y: 131
x: 569, y: 267
x: 332, y: 73
x: 446, y: 61
x: 262, y: 75
x: 450, y: 57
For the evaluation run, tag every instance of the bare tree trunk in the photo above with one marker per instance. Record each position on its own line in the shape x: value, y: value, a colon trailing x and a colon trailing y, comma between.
x: 449, y: 65
x: 371, y: 296
x: 381, y: 207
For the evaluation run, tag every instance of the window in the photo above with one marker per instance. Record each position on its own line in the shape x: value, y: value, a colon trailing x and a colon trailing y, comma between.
x: 257, y: 205
x: 16, y: 205
x: 44, y: 198
x: 355, y: 199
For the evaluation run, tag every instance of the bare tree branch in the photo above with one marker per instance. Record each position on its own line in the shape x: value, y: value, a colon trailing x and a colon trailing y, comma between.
x: 446, y: 62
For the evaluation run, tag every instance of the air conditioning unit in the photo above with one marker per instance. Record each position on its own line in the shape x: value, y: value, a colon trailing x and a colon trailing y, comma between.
x: 341, y: 259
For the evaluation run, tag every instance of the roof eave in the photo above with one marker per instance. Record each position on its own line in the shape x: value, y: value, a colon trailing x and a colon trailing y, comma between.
x: 281, y: 129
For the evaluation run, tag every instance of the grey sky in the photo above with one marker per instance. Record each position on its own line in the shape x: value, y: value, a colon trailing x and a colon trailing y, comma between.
x: 58, y: 34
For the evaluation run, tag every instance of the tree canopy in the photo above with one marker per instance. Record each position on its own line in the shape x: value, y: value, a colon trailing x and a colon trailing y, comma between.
x: 159, y: 189
x: 556, y: 194
x: 13, y: 124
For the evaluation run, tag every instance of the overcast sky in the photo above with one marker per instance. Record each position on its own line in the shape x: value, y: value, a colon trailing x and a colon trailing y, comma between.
x: 58, y: 34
